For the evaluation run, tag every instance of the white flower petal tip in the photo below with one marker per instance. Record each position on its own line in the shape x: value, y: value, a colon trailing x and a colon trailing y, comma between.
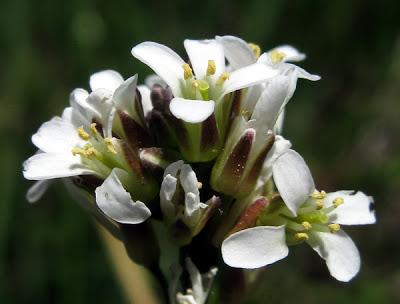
x: 293, y: 179
x: 201, y: 51
x: 53, y: 165
x: 291, y: 53
x: 107, y: 79
x: 116, y: 202
x: 56, y: 135
x: 255, y: 247
x: 36, y: 191
x: 237, y: 51
x: 163, y: 61
x: 192, y: 111
x: 339, y: 252
x: 356, y: 209
x: 248, y: 76
x: 125, y: 94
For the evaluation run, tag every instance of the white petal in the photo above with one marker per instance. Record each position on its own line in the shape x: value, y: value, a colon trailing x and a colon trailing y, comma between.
x: 163, y: 61
x: 101, y: 103
x: 73, y: 117
x: 124, y: 96
x: 192, y: 111
x: 107, y: 79
x: 237, y: 51
x: 248, y: 76
x: 116, y: 202
x: 57, y: 135
x: 78, y: 101
x: 173, y: 168
x: 279, y: 123
x: 339, y: 252
x: 291, y: 53
x: 146, y: 100
x: 355, y: 210
x: 153, y: 79
x: 200, y: 51
x: 273, y: 99
x: 53, y: 165
x: 255, y: 247
x: 185, y: 299
x: 36, y: 191
x: 281, y: 146
x: 192, y: 204
x: 188, y: 180
x: 293, y: 179
x: 288, y: 68
x: 167, y: 191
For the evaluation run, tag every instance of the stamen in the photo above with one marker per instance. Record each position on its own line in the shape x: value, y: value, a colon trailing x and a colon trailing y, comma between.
x: 90, y: 152
x: 93, y: 128
x: 211, y: 67
x: 78, y: 151
x: 83, y: 134
x: 110, y: 146
x: 318, y: 195
x: 187, y: 71
x: 338, y: 201
x: 301, y: 236
x: 255, y: 48
x: 306, y: 225
x: 246, y: 113
x: 276, y: 56
x: 319, y: 204
x: 224, y: 77
x: 334, y: 227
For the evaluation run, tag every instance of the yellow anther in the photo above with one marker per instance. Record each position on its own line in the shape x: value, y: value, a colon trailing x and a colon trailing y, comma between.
x: 255, y: 48
x: 211, y: 67
x: 337, y: 202
x: 90, y: 152
x: 224, y: 77
x: 83, y: 134
x: 187, y: 71
x: 110, y: 146
x: 93, y: 128
x: 276, y: 56
x: 306, y: 225
x: 319, y: 204
x: 199, y: 185
x: 78, y: 151
x: 245, y: 113
x: 318, y: 195
x: 334, y: 227
x: 301, y: 236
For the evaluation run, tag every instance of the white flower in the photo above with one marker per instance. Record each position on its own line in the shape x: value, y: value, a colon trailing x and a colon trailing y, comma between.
x: 179, y: 175
x: 72, y: 145
x: 196, y: 92
x: 306, y: 215
x: 241, y: 54
x: 201, y: 285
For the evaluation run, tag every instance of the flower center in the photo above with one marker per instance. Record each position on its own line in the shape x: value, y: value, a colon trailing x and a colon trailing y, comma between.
x: 312, y: 216
x: 99, y: 154
x: 208, y: 88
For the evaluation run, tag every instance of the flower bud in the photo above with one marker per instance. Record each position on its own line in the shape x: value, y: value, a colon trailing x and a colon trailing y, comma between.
x: 180, y: 202
x: 238, y: 167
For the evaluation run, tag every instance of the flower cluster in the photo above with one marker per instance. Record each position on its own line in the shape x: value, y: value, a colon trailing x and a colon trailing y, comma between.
x: 198, y: 148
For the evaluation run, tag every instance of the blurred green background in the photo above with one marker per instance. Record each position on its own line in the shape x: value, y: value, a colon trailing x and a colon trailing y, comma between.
x: 347, y: 127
